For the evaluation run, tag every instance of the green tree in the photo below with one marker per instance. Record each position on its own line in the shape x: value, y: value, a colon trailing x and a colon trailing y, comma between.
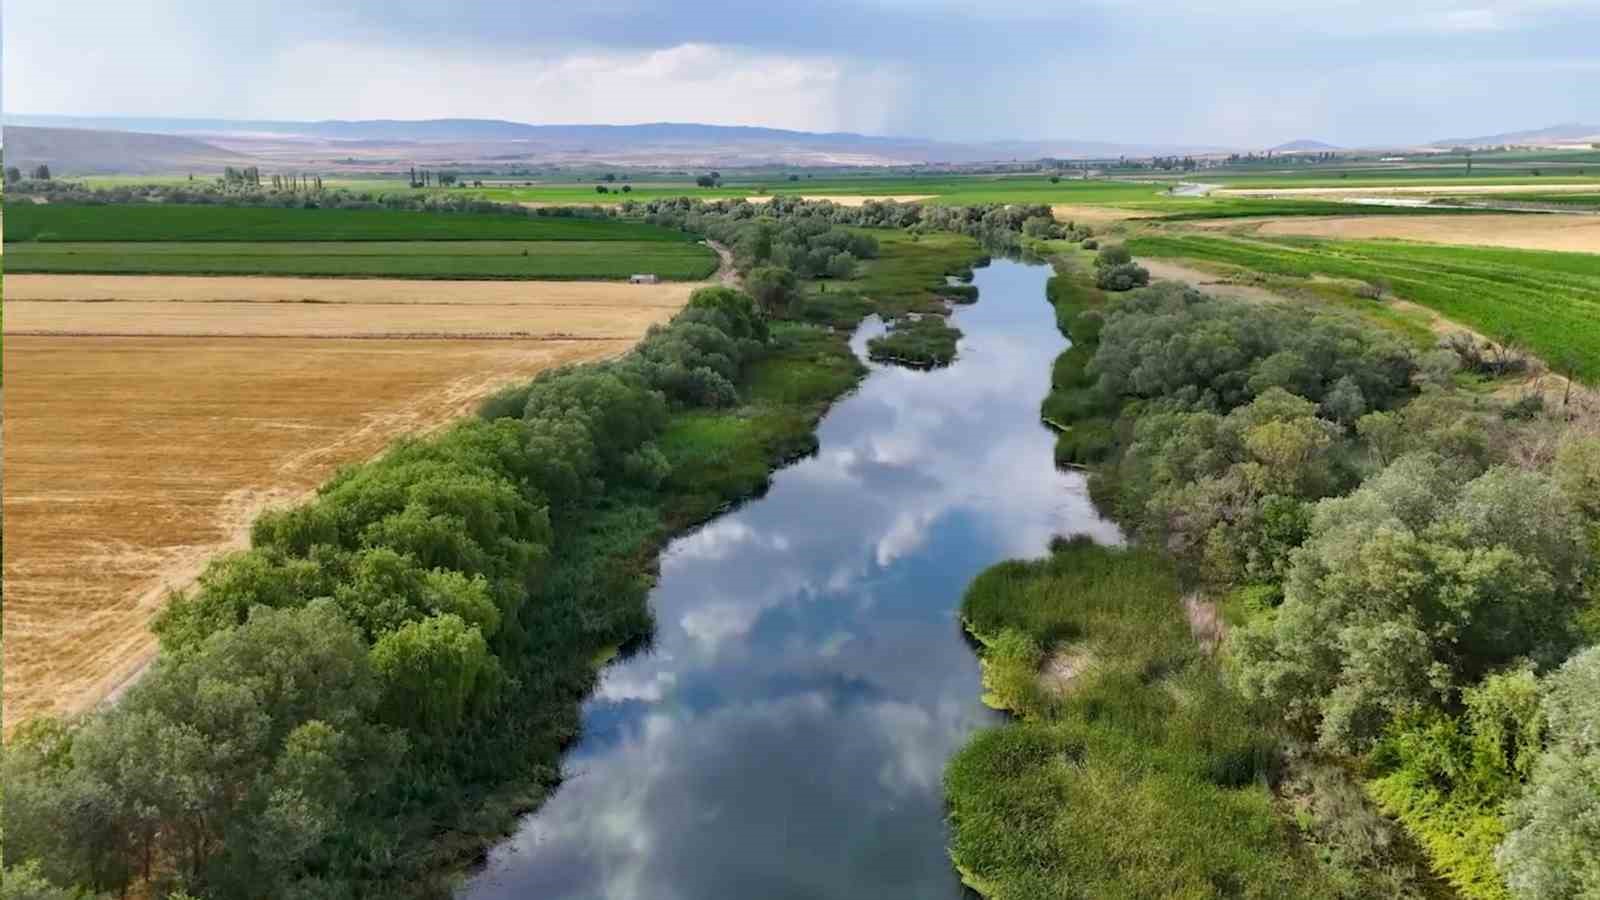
x: 773, y: 287
x: 1550, y: 853
x: 842, y: 265
x: 433, y: 673
x: 1411, y: 587
x: 13, y: 174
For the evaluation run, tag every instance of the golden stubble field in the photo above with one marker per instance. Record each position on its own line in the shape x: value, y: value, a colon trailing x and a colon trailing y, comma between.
x: 131, y: 460
x: 1528, y: 231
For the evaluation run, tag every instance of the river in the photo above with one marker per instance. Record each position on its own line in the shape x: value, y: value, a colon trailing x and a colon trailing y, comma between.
x: 785, y: 734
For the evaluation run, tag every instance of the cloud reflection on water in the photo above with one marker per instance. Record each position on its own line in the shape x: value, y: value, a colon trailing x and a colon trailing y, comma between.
x: 786, y: 732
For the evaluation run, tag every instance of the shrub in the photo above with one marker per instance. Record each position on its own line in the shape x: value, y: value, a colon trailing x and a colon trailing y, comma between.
x: 1122, y: 277
x: 1112, y: 255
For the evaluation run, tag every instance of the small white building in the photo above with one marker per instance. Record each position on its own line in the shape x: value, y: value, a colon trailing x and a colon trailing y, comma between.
x: 642, y: 278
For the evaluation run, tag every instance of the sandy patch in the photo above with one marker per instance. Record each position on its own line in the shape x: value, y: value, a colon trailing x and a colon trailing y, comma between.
x: 131, y: 461
x: 1571, y: 233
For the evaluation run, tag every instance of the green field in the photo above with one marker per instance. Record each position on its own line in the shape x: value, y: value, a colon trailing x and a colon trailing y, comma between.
x: 675, y: 261
x: 152, y: 222
x: 1549, y: 301
x: 1148, y: 196
x: 1578, y: 201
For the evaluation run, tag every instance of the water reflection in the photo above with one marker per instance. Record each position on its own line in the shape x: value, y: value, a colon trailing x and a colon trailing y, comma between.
x: 785, y: 734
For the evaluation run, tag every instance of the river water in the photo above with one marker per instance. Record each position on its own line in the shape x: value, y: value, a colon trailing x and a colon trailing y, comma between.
x: 785, y: 734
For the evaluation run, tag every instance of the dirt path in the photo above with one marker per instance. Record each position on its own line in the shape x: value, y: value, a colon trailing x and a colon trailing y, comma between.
x: 727, y: 275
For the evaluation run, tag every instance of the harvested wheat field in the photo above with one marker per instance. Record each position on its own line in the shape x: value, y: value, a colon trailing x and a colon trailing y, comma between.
x: 341, y: 321
x: 1575, y: 233
x: 130, y: 461
x: 1095, y: 215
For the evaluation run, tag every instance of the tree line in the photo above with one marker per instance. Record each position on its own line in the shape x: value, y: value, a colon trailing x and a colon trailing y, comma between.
x: 321, y: 698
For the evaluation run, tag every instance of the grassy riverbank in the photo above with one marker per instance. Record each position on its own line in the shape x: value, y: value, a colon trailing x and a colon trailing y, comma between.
x: 1310, y: 681
x: 1134, y: 771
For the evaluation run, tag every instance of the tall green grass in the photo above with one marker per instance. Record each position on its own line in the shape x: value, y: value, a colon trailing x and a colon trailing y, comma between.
x: 1145, y: 777
x: 1083, y: 420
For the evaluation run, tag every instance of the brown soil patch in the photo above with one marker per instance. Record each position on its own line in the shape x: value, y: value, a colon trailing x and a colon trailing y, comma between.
x: 1216, y: 285
x: 130, y: 461
x: 1570, y: 233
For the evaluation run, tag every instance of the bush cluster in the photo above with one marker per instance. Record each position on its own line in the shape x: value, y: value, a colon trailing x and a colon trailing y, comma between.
x: 1411, y: 569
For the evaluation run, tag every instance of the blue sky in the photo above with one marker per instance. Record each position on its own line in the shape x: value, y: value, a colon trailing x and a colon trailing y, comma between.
x: 1233, y: 72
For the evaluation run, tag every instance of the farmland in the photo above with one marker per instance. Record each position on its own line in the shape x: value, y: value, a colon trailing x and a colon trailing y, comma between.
x: 159, y: 222
x: 356, y: 243
x: 1572, y: 233
x: 106, y: 509
x: 448, y: 259
x: 1549, y: 301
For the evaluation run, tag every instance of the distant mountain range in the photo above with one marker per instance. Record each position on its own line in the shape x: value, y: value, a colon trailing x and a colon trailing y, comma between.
x: 100, y: 145
x: 1568, y: 133
x: 388, y: 143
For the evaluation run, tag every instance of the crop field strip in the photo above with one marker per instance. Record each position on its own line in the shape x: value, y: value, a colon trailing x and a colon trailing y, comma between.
x: 1550, y: 301
x: 28, y: 222
x: 438, y: 259
x: 1554, y: 231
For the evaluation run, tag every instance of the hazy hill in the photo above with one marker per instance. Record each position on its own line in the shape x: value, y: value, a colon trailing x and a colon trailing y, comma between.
x: 80, y: 152
x: 390, y: 143
x: 1304, y: 145
x: 1568, y: 133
